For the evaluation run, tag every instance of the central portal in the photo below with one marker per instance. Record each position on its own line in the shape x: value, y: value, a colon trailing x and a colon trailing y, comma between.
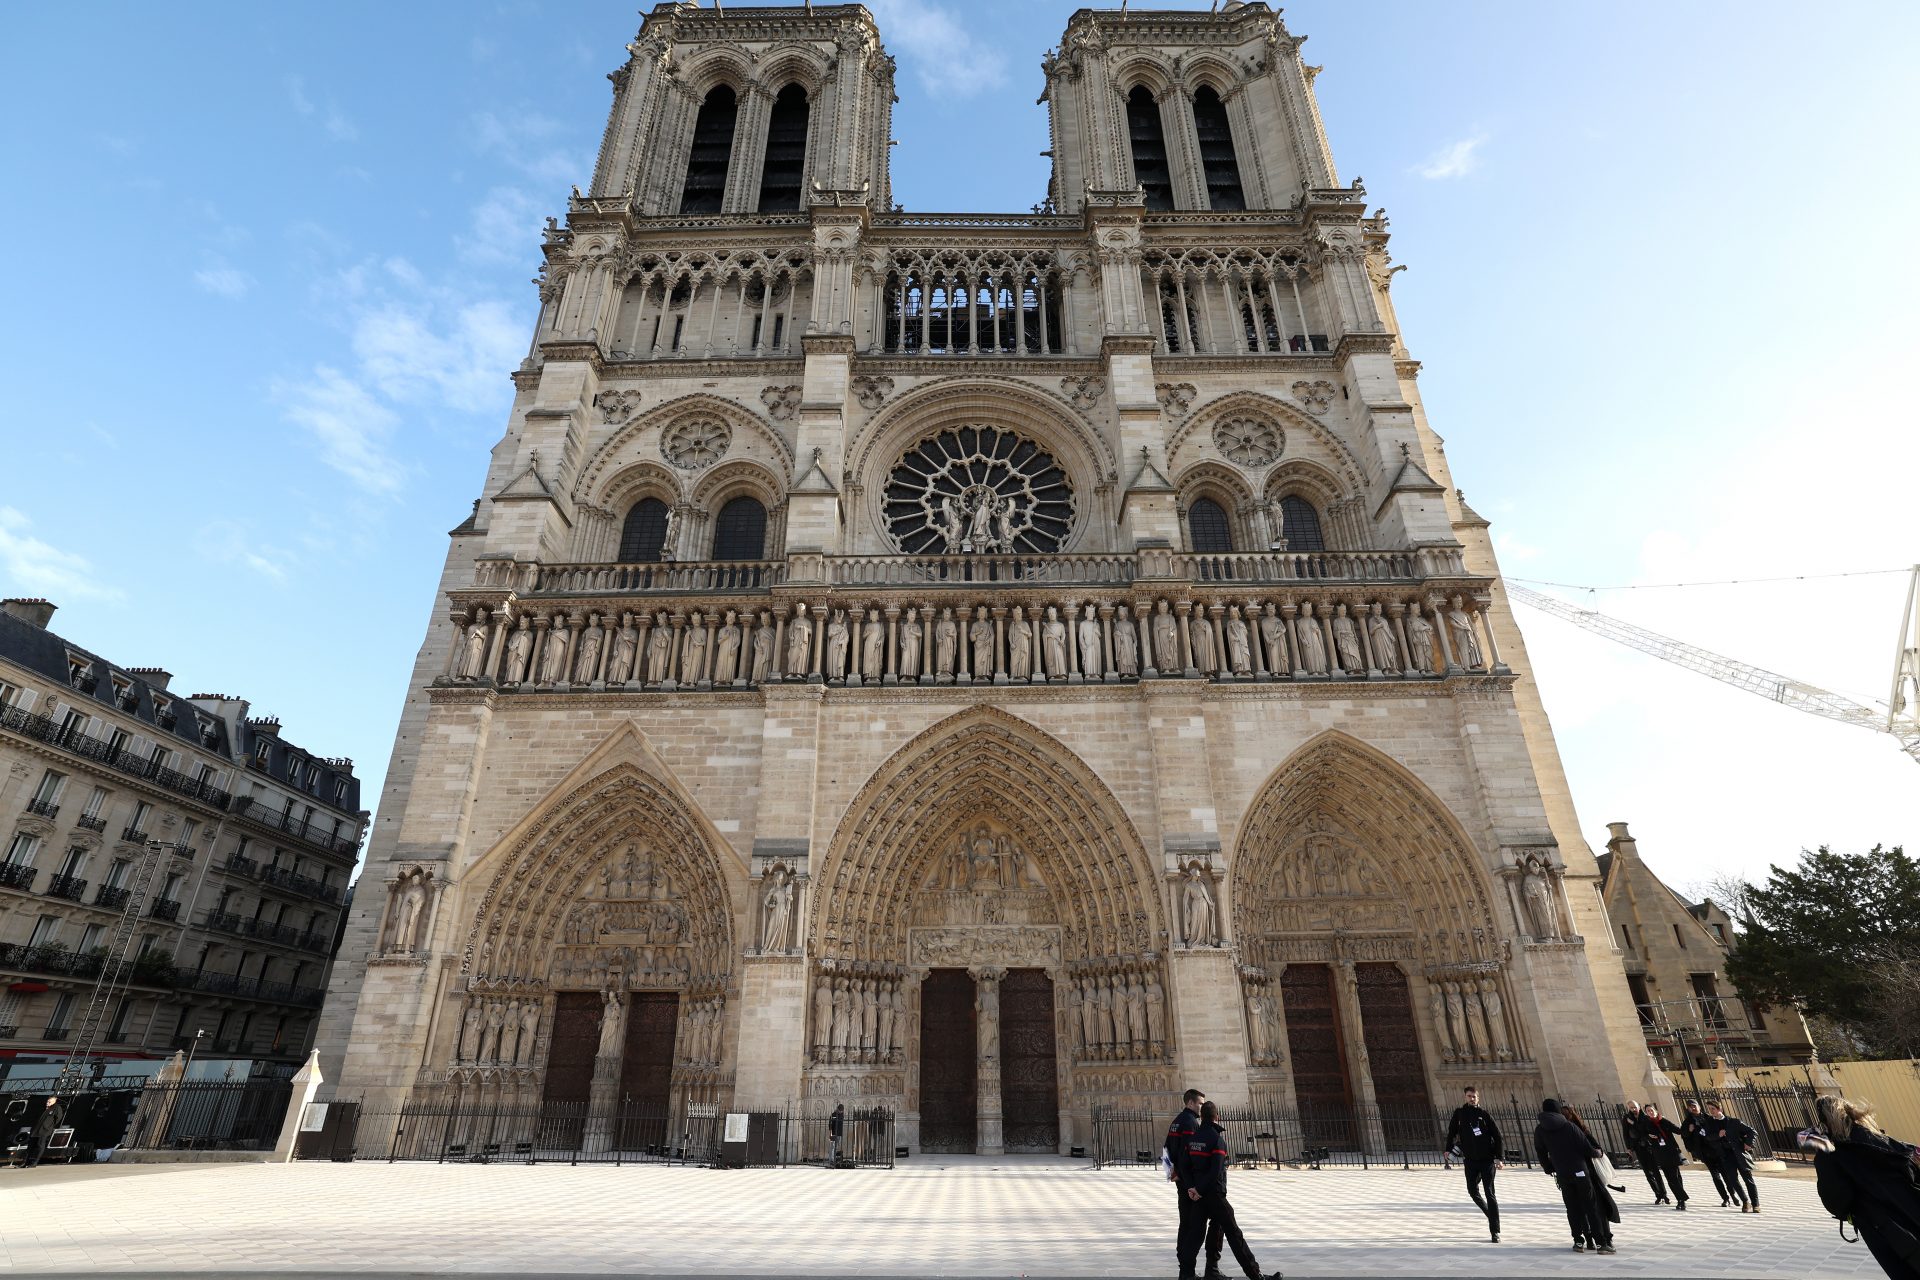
x: 949, y: 1063
x: 1029, y: 1085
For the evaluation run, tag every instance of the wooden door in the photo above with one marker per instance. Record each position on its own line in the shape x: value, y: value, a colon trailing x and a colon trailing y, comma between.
x: 949, y: 1062
x: 646, y: 1070
x: 576, y: 1035
x: 1029, y: 1085
x: 1319, y: 1066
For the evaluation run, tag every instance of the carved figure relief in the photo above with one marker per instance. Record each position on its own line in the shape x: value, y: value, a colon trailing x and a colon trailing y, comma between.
x: 776, y: 924
x: 871, y: 391
x: 1317, y: 396
x: 782, y: 402
x: 1419, y: 641
x: 1126, y: 644
x: 1466, y: 644
x: 1088, y: 638
x: 799, y: 642
x: 1166, y: 639
x: 519, y: 651
x: 1199, y: 913
x: 1084, y: 392
x: 408, y: 897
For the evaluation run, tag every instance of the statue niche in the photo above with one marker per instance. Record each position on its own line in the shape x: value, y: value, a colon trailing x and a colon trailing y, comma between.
x: 982, y: 876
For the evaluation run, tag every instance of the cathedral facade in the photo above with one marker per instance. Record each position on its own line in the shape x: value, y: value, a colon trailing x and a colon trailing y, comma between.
x: 987, y: 666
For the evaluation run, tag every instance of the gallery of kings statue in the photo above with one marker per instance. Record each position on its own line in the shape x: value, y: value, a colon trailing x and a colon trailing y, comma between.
x: 990, y: 667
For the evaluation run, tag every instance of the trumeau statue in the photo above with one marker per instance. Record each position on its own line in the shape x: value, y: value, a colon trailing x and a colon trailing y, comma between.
x: 799, y: 642
x: 777, y: 925
x: 911, y: 633
x: 611, y: 1024
x: 1538, y: 893
x: 519, y: 649
x: 1092, y: 662
x: 409, y: 910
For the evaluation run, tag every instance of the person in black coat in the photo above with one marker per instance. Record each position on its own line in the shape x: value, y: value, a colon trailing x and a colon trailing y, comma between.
x: 52, y: 1116
x: 1694, y: 1130
x: 1662, y: 1154
x: 1201, y: 1175
x: 836, y: 1126
x: 1633, y: 1134
x: 1733, y: 1140
x: 1566, y: 1152
x: 1869, y: 1179
x: 1183, y: 1127
x: 1475, y: 1138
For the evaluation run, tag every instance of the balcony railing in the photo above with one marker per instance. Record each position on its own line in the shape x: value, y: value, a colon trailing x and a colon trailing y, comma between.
x: 164, y: 909
x: 56, y: 1033
x: 56, y: 961
x: 134, y: 835
x: 237, y: 865
x: 307, y: 831
x: 252, y: 988
x: 42, y: 729
x: 293, y: 882
x: 17, y: 875
x: 973, y: 571
x: 45, y: 808
x: 72, y: 888
x: 110, y: 897
x: 88, y: 822
x: 265, y: 930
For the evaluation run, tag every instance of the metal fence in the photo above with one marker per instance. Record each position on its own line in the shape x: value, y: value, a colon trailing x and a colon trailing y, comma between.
x: 238, y: 1115
x: 576, y: 1133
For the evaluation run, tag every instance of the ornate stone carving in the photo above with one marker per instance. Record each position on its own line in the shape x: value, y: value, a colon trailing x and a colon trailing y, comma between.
x: 409, y: 896
x: 1176, y: 398
x: 782, y: 402
x: 1316, y: 396
x: 618, y: 407
x: 1084, y: 392
x: 871, y: 391
x: 1014, y: 947
x: 696, y: 442
x: 978, y: 490
x: 1247, y: 440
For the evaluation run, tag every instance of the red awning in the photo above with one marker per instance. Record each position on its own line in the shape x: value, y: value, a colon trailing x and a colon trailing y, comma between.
x: 29, y: 988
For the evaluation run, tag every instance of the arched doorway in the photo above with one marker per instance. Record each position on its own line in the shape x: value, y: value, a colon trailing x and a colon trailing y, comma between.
x: 988, y: 945
x: 1375, y: 972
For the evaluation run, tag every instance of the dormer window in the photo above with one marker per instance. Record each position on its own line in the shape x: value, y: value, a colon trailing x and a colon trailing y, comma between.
x: 80, y: 673
x: 124, y: 694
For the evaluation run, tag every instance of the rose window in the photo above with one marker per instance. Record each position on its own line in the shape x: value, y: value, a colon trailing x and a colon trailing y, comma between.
x: 693, y: 443
x: 1251, y: 442
x: 978, y: 491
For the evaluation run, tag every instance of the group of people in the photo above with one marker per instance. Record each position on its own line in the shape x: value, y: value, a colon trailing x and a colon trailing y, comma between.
x: 1196, y: 1163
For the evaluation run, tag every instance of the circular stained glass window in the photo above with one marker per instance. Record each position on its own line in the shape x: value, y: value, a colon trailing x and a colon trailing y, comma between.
x: 978, y: 490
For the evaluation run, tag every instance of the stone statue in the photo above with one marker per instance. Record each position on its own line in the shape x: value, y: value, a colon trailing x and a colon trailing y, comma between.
x: 693, y: 663
x: 980, y: 524
x: 529, y: 1031
x: 1419, y: 641
x: 981, y: 633
x: 800, y: 644
x: 873, y: 646
x: 1256, y: 1025
x: 959, y: 865
x: 473, y: 655
x: 1019, y: 646
x: 659, y: 649
x: 989, y: 1004
x: 946, y: 642
x: 1313, y: 646
x: 1126, y: 644
x: 1386, y: 651
x: 1346, y: 641
x: 1166, y: 639
x: 490, y: 1040
x: 408, y: 910
x: 553, y: 662
x: 947, y: 524
x: 1053, y: 633
x: 471, y: 1031
x: 1466, y: 645
x: 1087, y: 636
x: 1201, y: 633
x: 842, y: 1019
x: 1089, y: 1019
x: 1496, y: 1018
x: 1437, y: 1006
x: 519, y: 649
x: 620, y: 662
x: 1003, y: 534
x: 1273, y: 634
x: 1538, y: 894
x: 1136, y: 1016
x: 1239, y: 644
x: 1457, y: 1021
x: 889, y: 1021
x: 1156, y: 1011
x: 822, y: 1017
x: 1197, y: 910
x: 837, y: 640
x: 589, y: 656
x: 779, y: 914
x: 911, y: 631
x: 869, y: 1021
x: 726, y: 653
x: 763, y: 650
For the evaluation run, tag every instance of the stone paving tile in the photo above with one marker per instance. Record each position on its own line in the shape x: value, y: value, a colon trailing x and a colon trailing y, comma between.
x: 926, y: 1218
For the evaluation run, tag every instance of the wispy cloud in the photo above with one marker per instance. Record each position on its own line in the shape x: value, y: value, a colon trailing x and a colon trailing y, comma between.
x: 350, y: 427
x: 331, y: 117
x: 223, y: 280
x: 505, y: 229
x: 40, y: 567
x: 531, y: 143
x: 1455, y: 160
x: 228, y: 542
x: 945, y: 56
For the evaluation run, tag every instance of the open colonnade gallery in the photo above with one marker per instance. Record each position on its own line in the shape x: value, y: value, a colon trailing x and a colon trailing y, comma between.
x: 987, y: 667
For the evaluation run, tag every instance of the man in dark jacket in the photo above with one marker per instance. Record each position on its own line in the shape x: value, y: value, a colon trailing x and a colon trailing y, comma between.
x: 1693, y: 1130
x: 836, y: 1126
x: 1733, y: 1140
x: 1184, y: 1126
x: 1663, y: 1151
x: 1633, y: 1133
x: 52, y: 1116
x: 1566, y: 1152
x: 1475, y: 1138
x: 1201, y: 1175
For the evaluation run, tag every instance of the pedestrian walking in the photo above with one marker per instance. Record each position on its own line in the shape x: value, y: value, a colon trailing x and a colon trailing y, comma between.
x: 51, y: 1116
x: 1475, y: 1138
x: 1633, y: 1132
x: 1567, y: 1151
x: 836, y: 1125
x: 1184, y: 1126
x: 1700, y: 1146
x: 1663, y: 1145
x: 1868, y: 1179
x: 1733, y: 1140
x: 1201, y: 1175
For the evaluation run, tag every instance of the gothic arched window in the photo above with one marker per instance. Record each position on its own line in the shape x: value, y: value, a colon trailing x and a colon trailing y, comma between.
x: 644, y: 536
x: 712, y: 150
x: 1208, y: 532
x: 1149, y: 148
x: 1216, y: 150
x: 1300, y: 525
x: 740, y: 530
x: 786, y: 151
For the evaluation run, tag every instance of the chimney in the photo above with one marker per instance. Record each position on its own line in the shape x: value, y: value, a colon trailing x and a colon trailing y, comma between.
x: 152, y: 675
x: 30, y: 610
x: 1618, y: 841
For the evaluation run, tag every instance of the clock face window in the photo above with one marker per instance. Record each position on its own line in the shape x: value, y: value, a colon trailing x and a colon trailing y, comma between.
x: 1251, y: 442
x: 693, y: 443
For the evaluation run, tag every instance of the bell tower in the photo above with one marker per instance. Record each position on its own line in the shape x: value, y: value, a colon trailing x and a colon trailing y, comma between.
x: 746, y: 112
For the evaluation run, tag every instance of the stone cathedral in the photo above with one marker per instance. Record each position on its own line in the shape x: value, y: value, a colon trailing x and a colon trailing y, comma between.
x: 990, y: 666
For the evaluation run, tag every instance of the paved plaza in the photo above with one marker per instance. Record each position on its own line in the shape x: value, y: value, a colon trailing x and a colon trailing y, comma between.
x: 951, y: 1217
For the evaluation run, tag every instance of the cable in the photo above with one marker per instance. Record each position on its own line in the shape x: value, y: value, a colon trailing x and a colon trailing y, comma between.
x: 1722, y: 582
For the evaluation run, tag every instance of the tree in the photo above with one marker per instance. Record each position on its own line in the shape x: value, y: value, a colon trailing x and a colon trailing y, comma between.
x: 1835, y: 935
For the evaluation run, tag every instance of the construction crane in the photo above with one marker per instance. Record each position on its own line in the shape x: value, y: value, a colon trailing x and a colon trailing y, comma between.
x: 1897, y: 718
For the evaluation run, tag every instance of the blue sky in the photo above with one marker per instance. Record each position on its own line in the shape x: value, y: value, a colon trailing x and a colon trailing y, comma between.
x: 271, y: 271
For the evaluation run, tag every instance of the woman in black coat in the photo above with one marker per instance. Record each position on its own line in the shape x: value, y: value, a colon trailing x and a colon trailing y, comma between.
x: 1871, y: 1180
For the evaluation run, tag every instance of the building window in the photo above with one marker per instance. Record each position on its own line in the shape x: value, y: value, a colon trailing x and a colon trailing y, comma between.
x: 644, y: 535
x: 95, y: 803
x: 1679, y: 935
x: 76, y: 859
x: 74, y: 723
x: 9, y: 695
x: 1149, y: 148
x: 141, y: 812
x: 1720, y: 934
x: 1207, y: 529
x: 117, y: 741
x: 740, y: 530
x: 1300, y: 525
x: 117, y: 873
x: 51, y: 784
x: 1216, y: 150
x: 780, y: 175
x: 21, y: 852
x: 90, y: 938
x: 45, y: 930
x: 706, y: 186
x: 171, y: 891
x: 62, y: 1011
